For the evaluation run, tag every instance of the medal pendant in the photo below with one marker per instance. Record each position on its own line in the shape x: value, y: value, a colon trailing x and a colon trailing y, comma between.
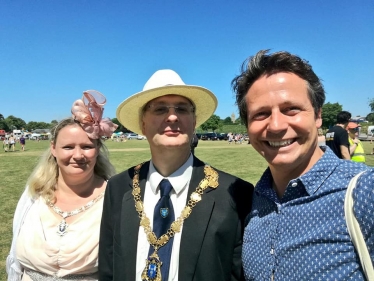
x: 152, y: 270
x: 62, y: 228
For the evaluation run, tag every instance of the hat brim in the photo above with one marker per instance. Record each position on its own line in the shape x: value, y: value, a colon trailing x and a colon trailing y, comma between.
x: 129, y: 112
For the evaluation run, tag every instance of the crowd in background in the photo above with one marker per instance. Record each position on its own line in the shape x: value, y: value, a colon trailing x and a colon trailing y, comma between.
x: 343, y: 139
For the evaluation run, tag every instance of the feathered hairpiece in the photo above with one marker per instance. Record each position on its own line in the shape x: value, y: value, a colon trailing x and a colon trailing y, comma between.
x: 88, y: 111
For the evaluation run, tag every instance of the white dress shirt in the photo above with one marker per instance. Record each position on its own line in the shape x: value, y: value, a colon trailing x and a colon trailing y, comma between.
x: 180, y: 181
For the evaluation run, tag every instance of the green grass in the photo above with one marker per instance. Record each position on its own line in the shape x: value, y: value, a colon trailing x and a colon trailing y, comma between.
x: 15, y: 167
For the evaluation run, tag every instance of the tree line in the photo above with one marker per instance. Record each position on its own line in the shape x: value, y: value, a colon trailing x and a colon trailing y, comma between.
x: 329, y: 112
x: 11, y: 123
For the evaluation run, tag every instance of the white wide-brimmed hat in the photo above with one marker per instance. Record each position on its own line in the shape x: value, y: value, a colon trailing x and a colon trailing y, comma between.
x: 165, y: 82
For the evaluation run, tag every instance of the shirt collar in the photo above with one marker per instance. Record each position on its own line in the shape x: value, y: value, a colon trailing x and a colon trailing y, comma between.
x: 320, y: 171
x: 311, y: 180
x: 179, y: 179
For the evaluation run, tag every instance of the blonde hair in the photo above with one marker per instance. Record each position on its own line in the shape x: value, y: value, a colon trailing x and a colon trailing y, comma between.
x: 43, y: 179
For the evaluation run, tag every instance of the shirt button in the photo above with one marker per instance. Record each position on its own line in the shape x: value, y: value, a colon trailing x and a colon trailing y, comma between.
x: 272, y: 251
x: 279, y: 208
x: 294, y: 184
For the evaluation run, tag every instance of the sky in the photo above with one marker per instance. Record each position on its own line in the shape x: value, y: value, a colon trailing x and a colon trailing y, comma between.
x: 52, y: 51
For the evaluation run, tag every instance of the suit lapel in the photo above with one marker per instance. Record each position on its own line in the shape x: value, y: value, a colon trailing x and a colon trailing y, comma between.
x: 194, y: 227
x: 130, y: 222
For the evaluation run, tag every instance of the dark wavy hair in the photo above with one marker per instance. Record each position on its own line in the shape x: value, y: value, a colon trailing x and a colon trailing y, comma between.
x: 262, y: 64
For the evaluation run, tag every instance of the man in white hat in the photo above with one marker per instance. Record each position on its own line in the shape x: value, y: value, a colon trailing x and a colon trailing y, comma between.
x: 173, y: 217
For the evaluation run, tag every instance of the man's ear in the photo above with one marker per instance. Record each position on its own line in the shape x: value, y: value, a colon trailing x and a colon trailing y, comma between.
x: 319, y: 118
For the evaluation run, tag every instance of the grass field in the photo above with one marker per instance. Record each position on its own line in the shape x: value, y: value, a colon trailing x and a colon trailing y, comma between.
x: 15, y: 167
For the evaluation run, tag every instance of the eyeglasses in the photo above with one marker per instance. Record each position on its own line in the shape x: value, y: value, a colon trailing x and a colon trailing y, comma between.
x: 162, y: 109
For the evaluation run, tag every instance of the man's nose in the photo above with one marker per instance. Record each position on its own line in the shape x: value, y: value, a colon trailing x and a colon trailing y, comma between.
x: 277, y: 122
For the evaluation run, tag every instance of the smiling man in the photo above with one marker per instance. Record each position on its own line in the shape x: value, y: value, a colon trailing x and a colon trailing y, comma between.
x: 173, y: 217
x: 296, y: 229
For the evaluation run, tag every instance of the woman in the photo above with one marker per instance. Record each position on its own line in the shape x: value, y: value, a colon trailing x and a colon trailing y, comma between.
x: 56, y: 223
x: 6, y: 144
x: 12, y: 143
x: 22, y: 142
x: 356, y: 150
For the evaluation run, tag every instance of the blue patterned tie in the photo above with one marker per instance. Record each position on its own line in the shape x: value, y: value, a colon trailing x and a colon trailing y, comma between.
x: 162, y: 218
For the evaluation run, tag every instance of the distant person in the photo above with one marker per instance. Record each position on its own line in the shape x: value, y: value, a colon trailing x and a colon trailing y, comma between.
x: 173, y: 217
x: 337, y: 136
x: 6, y: 144
x: 296, y: 230
x: 194, y: 143
x: 57, y: 220
x: 236, y: 138
x: 12, y: 143
x: 356, y: 149
x: 321, y: 138
x: 230, y: 138
x: 22, y: 141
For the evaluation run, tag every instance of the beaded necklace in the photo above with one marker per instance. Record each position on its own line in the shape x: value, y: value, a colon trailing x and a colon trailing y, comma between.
x: 63, y: 226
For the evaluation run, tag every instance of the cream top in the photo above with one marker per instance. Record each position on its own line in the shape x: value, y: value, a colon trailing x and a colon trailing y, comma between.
x: 41, y: 249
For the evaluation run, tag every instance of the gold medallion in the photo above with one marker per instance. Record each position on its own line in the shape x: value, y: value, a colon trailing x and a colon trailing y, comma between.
x: 186, y: 212
x: 139, y: 206
x: 213, y: 182
x: 136, y: 191
x: 163, y: 240
x: 208, y: 170
x: 152, y: 270
x: 204, y: 183
x: 176, y: 226
x: 196, y: 197
x: 144, y: 221
x: 152, y: 238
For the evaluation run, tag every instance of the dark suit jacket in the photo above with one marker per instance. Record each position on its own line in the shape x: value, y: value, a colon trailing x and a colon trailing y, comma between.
x: 211, y: 240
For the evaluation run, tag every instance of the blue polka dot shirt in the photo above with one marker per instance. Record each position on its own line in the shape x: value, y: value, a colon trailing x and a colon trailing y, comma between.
x: 303, y: 235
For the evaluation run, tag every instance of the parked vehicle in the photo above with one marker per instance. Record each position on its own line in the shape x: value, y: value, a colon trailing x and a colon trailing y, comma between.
x: 209, y: 136
x: 370, y: 131
x: 17, y: 133
x: 27, y: 135
x: 141, y: 137
x: 364, y: 137
x: 35, y: 136
x: 199, y: 135
x: 222, y: 136
x: 131, y: 136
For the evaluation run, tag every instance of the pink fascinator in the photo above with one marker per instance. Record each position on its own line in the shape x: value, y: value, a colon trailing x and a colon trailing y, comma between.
x: 88, y: 111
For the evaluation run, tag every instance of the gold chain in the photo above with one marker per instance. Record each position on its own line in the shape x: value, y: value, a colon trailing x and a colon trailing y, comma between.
x: 210, y: 179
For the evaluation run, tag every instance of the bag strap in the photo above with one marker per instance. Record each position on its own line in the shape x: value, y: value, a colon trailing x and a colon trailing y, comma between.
x: 355, y: 231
